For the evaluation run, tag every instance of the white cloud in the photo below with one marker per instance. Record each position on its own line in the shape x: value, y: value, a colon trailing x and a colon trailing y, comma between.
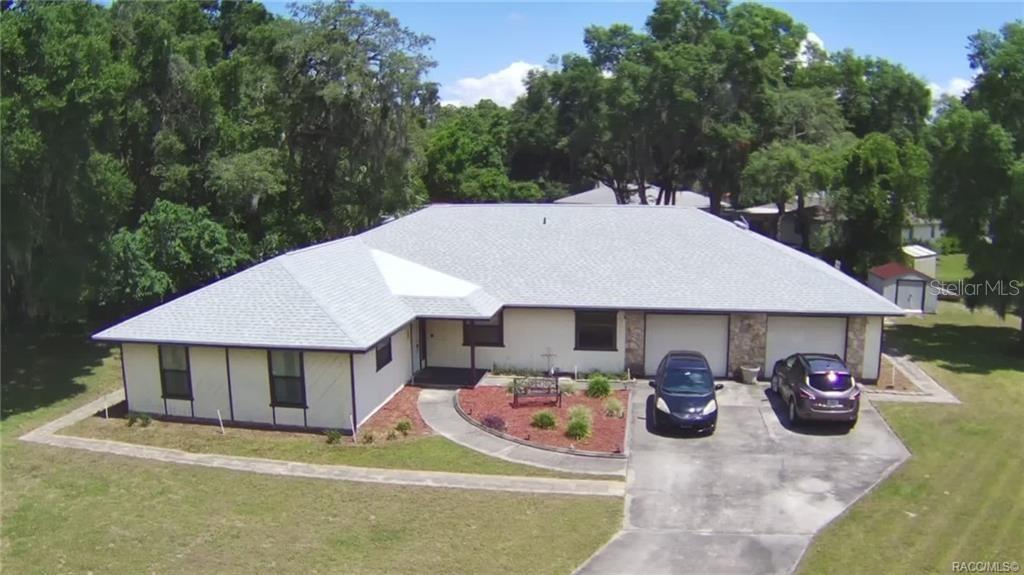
x: 503, y: 86
x: 955, y: 87
x: 811, y: 39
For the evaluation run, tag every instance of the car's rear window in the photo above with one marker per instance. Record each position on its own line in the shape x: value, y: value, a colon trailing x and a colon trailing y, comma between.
x: 822, y: 364
x: 830, y: 381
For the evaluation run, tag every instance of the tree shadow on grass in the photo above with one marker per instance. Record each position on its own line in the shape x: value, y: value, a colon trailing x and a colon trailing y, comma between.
x: 958, y: 348
x: 40, y: 370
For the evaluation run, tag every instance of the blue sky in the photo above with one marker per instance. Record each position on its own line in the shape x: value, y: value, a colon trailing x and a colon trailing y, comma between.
x: 483, y: 49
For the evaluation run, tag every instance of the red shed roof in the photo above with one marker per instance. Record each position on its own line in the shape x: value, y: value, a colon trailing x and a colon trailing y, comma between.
x: 894, y: 269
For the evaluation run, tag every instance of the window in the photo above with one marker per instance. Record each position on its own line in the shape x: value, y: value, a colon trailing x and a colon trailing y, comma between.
x: 596, y: 330
x: 287, y: 385
x: 175, y: 381
x: 383, y: 353
x: 484, y: 333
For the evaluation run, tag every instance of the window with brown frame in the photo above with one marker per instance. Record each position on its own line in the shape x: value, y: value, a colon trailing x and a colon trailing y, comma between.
x: 383, y: 352
x: 175, y: 379
x: 287, y: 378
x: 484, y: 332
x: 596, y: 330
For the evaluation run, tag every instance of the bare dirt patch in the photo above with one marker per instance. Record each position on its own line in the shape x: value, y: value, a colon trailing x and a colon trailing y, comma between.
x: 608, y: 434
x: 890, y: 379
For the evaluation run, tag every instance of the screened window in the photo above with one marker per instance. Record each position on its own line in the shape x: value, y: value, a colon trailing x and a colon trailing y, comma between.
x: 596, y: 330
x: 485, y: 333
x: 175, y: 382
x: 287, y: 385
x: 383, y: 353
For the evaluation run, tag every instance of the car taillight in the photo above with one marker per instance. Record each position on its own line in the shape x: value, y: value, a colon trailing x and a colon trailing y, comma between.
x: 806, y: 394
x: 855, y: 394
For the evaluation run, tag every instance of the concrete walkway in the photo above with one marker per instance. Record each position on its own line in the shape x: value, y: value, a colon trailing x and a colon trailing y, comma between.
x: 47, y: 435
x: 438, y: 410
x: 931, y: 390
x: 747, y: 499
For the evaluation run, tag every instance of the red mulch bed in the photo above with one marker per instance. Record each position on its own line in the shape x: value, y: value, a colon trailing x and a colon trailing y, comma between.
x: 609, y: 433
x: 402, y: 406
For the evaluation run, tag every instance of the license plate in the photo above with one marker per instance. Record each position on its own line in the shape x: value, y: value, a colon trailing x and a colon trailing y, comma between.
x: 832, y: 403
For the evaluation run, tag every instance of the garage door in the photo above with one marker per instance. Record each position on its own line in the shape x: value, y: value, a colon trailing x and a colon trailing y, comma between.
x: 789, y: 335
x: 708, y: 334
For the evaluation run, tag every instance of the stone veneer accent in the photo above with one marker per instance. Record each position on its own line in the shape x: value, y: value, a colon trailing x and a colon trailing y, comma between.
x: 636, y: 324
x: 856, y: 332
x: 747, y: 340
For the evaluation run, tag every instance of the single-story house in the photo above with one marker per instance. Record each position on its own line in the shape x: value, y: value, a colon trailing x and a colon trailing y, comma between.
x: 919, y: 229
x: 324, y: 336
x: 604, y: 195
x: 922, y: 259
x: 761, y: 218
x: 908, y: 288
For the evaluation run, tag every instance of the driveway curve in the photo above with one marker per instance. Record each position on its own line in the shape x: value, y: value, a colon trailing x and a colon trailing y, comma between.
x: 747, y: 499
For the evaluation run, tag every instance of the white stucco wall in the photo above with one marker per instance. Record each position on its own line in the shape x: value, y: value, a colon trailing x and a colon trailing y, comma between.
x: 374, y: 388
x: 250, y: 385
x: 209, y: 381
x: 529, y: 335
x: 872, y: 347
x: 328, y: 389
x: 142, y: 374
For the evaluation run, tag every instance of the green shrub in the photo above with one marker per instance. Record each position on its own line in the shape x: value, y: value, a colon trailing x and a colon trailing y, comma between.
x: 598, y: 386
x: 544, y: 420
x: 143, y: 419
x: 568, y: 388
x: 392, y: 435
x: 581, y: 413
x: 367, y: 438
x: 333, y: 435
x: 948, y: 245
x: 613, y: 407
x: 404, y: 426
x: 578, y: 429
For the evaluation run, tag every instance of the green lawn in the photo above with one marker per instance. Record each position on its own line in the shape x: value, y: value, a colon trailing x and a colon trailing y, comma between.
x: 961, y: 496
x: 72, y: 511
x: 952, y: 267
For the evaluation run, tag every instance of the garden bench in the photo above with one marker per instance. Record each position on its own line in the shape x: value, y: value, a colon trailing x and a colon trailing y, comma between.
x: 536, y: 387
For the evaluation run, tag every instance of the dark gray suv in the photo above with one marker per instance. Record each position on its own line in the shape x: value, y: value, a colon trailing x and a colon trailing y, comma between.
x: 816, y: 386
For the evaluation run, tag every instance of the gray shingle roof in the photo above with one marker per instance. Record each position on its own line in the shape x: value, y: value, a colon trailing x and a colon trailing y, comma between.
x: 349, y: 293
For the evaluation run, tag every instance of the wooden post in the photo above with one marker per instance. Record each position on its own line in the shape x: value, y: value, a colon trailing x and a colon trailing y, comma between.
x: 472, y: 363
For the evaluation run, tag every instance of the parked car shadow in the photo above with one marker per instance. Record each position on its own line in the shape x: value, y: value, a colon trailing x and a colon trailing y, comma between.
x: 666, y: 431
x: 819, y: 428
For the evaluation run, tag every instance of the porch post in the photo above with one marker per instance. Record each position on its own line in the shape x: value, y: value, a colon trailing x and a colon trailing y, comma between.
x: 472, y: 362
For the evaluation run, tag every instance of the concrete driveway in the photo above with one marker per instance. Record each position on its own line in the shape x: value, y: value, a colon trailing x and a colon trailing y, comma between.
x: 746, y: 499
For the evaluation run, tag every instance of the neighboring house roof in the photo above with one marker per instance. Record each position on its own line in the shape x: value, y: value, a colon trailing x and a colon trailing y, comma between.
x: 894, y: 270
x: 810, y: 201
x: 919, y: 221
x: 915, y: 251
x: 467, y: 261
x: 603, y: 194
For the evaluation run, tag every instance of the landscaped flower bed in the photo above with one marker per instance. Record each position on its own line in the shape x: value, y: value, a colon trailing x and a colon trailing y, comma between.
x: 403, y: 407
x: 485, y: 404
